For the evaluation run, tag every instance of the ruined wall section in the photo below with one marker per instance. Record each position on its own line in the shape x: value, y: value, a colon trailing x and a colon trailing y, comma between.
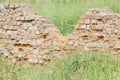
x: 99, y: 29
x: 23, y: 34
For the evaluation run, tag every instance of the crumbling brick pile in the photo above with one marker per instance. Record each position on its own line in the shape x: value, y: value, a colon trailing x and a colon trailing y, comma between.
x: 99, y: 29
x: 27, y: 36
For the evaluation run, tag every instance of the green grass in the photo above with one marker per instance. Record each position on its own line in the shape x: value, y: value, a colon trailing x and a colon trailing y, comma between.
x: 87, y: 66
x: 65, y: 14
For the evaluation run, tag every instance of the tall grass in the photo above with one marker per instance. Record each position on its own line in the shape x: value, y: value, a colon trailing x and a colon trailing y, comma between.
x: 87, y: 66
x: 65, y: 13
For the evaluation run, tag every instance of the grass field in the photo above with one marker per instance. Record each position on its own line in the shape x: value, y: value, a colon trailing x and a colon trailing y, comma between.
x: 88, y: 66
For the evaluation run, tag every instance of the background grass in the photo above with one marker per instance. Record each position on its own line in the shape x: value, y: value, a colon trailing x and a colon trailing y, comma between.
x: 65, y: 13
x: 88, y: 66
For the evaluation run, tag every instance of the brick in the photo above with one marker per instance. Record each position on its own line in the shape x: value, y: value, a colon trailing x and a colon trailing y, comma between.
x: 87, y: 21
x: 2, y: 36
x: 118, y: 15
x: 31, y: 60
x: 6, y: 6
x: 94, y: 21
x: 68, y: 47
x: 85, y: 37
x: 1, y: 23
x: 81, y: 21
x: 97, y: 27
x: 96, y: 49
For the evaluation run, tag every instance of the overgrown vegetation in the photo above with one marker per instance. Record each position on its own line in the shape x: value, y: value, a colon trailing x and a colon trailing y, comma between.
x: 88, y: 66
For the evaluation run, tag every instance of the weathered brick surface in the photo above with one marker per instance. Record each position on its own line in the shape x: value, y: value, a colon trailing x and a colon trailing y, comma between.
x: 99, y: 29
x: 25, y: 36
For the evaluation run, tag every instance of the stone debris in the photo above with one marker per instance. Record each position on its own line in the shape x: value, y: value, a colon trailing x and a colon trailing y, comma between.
x: 25, y: 36
x: 99, y: 29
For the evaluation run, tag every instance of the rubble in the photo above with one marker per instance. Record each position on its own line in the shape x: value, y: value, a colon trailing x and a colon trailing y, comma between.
x: 99, y: 29
x: 25, y: 36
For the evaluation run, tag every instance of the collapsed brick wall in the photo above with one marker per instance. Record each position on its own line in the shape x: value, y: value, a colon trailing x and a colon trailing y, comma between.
x: 99, y: 29
x: 25, y: 36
